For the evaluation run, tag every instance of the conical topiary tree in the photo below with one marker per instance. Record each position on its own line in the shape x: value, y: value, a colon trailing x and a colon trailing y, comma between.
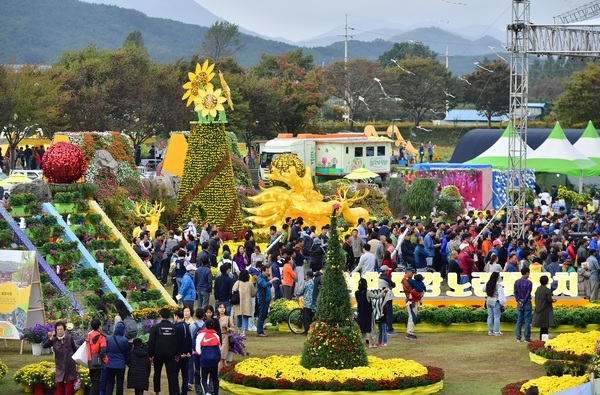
x: 334, y: 340
x: 207, y: 188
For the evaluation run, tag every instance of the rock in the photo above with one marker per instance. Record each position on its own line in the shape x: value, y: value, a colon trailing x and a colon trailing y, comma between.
x: 171, y: 181
x: 38, y: 187
x: 103, y: 159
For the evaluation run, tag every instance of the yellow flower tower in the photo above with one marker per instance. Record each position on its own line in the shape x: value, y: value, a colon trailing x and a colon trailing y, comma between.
x: 207, y: 188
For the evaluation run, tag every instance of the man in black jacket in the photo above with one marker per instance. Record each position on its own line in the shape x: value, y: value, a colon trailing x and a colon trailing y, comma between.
x: 185, y: 350
x: 163, y: 349
x: 223, y: 286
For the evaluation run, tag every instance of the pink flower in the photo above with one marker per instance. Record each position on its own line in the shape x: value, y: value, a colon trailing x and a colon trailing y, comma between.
x: 336, y: 206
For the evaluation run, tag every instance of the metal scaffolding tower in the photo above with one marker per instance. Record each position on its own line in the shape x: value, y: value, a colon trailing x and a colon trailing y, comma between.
x: 524, y: 38
x: 586, y: 11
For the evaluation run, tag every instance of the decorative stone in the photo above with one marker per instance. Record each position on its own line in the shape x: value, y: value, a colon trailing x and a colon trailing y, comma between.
x: 103, y: 159
x: 38, y: 187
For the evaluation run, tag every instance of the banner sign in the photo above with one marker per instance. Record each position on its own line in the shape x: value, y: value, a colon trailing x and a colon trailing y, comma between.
x: 16, y: 274
x: 566, y: 283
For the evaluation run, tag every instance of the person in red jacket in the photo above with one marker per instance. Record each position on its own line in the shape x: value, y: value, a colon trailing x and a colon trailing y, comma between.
x: 466, y: 263
x: 96, y: 342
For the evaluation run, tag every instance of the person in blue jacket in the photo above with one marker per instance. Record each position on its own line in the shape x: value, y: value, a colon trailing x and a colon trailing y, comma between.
x: 263, y: 297
x: 420, y: 256
x: 117, y: 350
x: 187, y: 291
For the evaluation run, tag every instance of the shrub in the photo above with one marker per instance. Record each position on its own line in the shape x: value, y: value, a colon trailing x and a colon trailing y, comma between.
x: 420, y: 197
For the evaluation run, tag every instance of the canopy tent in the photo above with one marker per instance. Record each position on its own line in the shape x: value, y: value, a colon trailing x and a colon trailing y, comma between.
x: 15, y: 179
x: 497, y: 154
x: 477, y: 141
x: 361, y: 174
x: 589, y: 144
x: 557, y: 155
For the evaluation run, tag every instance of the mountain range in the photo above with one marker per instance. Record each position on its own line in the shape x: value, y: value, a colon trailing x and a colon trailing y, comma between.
x: 39, y: 31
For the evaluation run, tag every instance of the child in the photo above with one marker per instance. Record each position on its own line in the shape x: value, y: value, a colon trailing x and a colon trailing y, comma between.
x: 139, y: 368
x: 209, y: 314
x: 227, y: 327
x: 418, y: 289
x: 208, y: 348
x: 195, y: 328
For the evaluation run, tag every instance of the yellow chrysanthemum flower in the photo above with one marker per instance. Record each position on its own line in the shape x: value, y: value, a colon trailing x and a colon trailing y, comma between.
x: 199, y: 80
x: 208, y: 102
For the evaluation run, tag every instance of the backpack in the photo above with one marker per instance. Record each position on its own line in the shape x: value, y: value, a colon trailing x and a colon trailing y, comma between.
x: 308, y: 242
x: 131, y: 328
x: 377, y: 305
x: 197, y: 328
x: 208, y: 346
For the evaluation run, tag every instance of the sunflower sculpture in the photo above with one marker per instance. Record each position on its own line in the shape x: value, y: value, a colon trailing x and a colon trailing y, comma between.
x: 207, y: 188
x: 208, y: 101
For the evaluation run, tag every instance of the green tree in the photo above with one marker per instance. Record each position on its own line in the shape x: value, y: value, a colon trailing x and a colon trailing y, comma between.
x: 353, y: 84
x: 401, y: 51
x: 33, y: 102
x: 272, y: 66
x: 221, y: 40
x: 421, y: 85
x: 135, y: 38
x: 489, y: 90
x: 89, y: 105
x: 580, y: 102
x: 334, y: 340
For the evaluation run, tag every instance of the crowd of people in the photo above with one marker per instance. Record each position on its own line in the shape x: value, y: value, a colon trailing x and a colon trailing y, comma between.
x: 249, y: 279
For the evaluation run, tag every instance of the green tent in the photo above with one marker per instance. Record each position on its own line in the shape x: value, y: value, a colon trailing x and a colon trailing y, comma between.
x: 589, y: 145
x: 497, y: 154
x: 557, y: 155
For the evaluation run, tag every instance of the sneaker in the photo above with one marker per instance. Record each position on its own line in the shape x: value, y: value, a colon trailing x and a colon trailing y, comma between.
x: 413, y: 336
x: 528, y: 340
x: 252, y: 329
x: 519, y: 340
x: 490, y: 333
x: 372, y: 345
x: 498, y: 334
x: 392, y: 333
x: 383, y: 345
x: 410, y: 336
x: 262, y: 335
x: 190, y: 387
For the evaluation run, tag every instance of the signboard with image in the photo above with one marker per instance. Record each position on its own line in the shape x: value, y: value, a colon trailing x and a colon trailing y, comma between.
x: 19, y: 284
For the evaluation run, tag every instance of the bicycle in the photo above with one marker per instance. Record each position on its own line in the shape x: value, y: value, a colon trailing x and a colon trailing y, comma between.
x: 295, y: 318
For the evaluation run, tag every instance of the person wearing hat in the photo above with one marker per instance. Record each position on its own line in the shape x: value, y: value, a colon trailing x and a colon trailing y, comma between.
x: 385, y: 326
x: 594, y: 270
x: 568, y: 266
x: 410, y: 307
x: 187, y: 290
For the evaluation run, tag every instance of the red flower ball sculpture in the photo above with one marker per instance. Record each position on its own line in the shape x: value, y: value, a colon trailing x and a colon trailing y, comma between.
x: 64, y: 163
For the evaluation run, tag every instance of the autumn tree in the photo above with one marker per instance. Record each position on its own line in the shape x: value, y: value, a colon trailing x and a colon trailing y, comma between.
x: 488, y: 89
x: 33, y: 102
x: 419, y: 85
x: 220, y: 40
x: 298, y: 89
x: 353, y: 83
x: 579, y: 102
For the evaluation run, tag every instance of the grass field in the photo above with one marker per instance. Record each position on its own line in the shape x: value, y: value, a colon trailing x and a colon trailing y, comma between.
x: 474, y: 363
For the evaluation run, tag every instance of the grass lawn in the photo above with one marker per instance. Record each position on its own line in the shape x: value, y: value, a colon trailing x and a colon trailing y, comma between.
x: 474, y: 362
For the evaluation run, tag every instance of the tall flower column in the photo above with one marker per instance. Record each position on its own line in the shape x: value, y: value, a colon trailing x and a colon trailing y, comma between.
x: 207, y: 188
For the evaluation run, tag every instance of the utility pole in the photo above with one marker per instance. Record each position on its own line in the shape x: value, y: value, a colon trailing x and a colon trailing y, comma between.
x: 348, y: 96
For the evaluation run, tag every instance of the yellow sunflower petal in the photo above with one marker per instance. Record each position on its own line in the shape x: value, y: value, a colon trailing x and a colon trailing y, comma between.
x: 187, y: 85
x: 189, y: 101
x: 191, y: 76
x: 205, y: 65
x: 221, y: 99
x: 217, y: 92
x: 198, y: 68
x: 205, y: 112
x: 219, y: 107
x: 186, y: 94
x: 210, y: 69
x: 213, y: 112
x: 210, y: 76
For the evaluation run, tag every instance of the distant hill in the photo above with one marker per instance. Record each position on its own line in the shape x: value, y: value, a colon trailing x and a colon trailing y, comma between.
x: 39, y: 31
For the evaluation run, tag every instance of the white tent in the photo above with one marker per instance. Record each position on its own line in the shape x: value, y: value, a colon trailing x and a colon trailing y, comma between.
x: 589, y: 145
x: 497, y: 154
x: 557, y: 155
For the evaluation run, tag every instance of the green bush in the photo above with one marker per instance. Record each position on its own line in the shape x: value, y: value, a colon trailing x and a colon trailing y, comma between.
x: 419, y: 200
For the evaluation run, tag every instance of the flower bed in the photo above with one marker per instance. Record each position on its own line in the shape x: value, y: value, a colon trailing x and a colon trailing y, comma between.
x: 44, y: 373
x: 546, y: 385
x: 277, y: 372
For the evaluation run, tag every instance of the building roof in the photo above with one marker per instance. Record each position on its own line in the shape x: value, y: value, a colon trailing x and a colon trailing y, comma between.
x: 471, y: 116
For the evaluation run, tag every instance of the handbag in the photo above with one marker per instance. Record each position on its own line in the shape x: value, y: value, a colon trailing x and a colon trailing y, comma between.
x: 81, y: 355
x: 235, y: 298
